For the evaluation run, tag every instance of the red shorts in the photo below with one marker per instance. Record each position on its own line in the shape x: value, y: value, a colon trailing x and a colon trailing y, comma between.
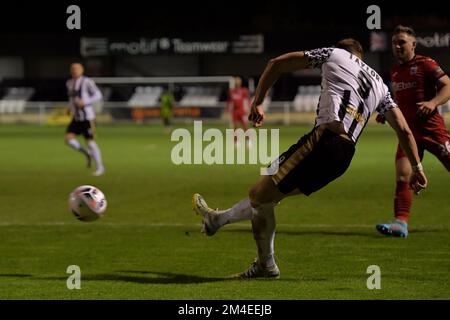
x: 435, y: 141
x: 239, y: 117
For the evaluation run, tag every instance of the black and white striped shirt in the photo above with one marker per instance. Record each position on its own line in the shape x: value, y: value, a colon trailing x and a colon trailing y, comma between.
x: 85, y: 89
x: 351, y: 90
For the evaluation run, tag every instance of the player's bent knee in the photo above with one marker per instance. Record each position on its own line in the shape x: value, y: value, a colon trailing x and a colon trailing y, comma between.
x: 257, y: 196
x: 261, y: 194
x: 67, y: 139
x: 403, y: 175
x: 253, y: 195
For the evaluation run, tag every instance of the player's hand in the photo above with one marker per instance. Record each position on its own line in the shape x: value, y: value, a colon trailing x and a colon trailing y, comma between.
x: 256, y: 116
x: 79, y: 103
x: 418, y: 181
x: 425, y: 108
x: 380, y: 119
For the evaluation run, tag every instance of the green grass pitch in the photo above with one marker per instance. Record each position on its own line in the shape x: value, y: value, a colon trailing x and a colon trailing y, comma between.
x: 149, y: 245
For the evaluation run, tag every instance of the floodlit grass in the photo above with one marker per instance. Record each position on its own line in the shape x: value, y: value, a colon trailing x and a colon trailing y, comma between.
x: 149, y: 245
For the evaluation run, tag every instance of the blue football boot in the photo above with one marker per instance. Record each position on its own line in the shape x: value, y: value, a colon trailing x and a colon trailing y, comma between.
x: 398, y: 228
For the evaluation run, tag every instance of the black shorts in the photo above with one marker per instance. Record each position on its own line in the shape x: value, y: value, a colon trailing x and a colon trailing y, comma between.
x: 318, y: 158
x: 85, y: 128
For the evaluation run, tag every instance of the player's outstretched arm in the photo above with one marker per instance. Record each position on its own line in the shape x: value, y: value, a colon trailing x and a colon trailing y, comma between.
x: 443, y: 95
x: 285, y: 63
x: 397, y: 121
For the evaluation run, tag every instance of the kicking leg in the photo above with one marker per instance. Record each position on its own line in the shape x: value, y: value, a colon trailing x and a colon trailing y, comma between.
x: 213, y: 219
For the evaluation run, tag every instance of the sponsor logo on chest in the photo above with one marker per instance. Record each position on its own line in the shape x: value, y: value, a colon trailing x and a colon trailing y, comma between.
x: 399, y: 86
x: 413, y: 70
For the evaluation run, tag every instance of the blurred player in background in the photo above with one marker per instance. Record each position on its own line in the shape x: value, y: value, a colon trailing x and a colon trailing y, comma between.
x: 351, y: 93
x: 82, y: 93
x: 238, y: 106
x: 419, y: 87
x: 167, y: 102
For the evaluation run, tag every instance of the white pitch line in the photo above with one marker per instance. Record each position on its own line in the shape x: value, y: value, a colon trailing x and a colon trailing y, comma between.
x: 163, y: 224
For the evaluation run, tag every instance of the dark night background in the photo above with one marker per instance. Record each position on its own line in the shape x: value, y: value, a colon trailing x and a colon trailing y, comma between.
x: 35, y: 35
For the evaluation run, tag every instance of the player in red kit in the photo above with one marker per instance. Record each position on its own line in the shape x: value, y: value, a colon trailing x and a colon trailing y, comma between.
x: 419, y: 86
x: 238, y: 105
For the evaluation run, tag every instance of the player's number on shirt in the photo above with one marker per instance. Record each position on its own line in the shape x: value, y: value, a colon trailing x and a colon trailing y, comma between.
x: 363, y: 89
x: 364, y: 85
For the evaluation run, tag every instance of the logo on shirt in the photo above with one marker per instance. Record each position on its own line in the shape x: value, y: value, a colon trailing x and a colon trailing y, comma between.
x: 352, y: 111
x: 399, y: 86
x: 413, y: 70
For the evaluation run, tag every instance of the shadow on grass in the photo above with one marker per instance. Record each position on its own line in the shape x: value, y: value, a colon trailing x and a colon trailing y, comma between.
x: 152, y: 277
x: 373, y: 234
x: 12, y: 275
x: 146, y: 277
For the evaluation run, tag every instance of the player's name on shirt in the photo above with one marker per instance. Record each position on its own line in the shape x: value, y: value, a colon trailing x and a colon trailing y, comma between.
x: 365, y: 67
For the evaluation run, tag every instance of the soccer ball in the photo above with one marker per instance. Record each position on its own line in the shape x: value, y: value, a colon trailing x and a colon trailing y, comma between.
x: 87, y: 203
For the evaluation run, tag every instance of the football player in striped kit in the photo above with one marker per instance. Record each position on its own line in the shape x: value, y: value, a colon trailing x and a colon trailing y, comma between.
x: 83, y: 93
x: 351, y: 93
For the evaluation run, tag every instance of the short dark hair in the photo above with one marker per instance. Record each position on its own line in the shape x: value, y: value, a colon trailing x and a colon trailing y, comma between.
x: 404, y: 29
x: 351, y: 45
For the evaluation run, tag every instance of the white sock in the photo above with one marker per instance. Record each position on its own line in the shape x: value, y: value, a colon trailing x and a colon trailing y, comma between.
x: 95, y: 153
x: 75, y: 144
x: 239, y: 212
x: 263, y: 225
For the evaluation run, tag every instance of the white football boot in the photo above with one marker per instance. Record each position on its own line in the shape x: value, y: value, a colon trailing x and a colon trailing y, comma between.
x: 209, y: 215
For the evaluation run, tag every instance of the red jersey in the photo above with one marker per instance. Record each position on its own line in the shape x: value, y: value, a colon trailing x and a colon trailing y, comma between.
x: 413, y: 82
x: 238, y: 100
